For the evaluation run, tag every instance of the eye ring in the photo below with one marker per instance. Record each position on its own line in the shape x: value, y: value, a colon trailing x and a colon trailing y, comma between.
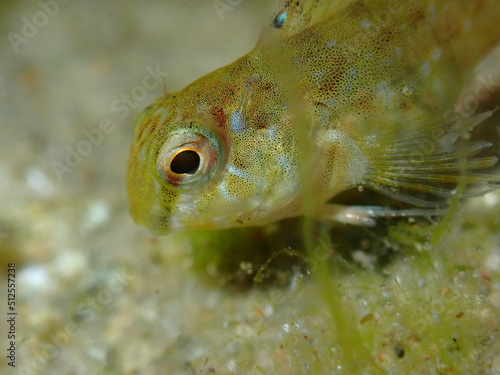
x: 190, y: 156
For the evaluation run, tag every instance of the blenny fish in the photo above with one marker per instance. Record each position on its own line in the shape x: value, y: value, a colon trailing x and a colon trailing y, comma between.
x: 336, y: 95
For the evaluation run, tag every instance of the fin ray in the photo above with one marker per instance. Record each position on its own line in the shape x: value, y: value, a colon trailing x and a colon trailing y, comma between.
x: 402, y: 169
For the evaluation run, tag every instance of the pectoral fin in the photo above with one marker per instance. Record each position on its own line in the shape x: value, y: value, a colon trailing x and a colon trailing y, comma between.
x: 366, y: 215
x: 424, y: 166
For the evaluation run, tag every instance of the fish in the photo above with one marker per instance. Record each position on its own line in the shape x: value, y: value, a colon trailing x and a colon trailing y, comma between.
x: 336, y: 95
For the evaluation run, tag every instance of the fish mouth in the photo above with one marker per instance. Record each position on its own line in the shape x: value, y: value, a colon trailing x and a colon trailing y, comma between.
x: 149, y: 203
x: 147, y: 212
x: 157, y: 224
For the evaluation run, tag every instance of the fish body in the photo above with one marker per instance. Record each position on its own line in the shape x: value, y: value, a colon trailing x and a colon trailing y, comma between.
x: 334, y: 95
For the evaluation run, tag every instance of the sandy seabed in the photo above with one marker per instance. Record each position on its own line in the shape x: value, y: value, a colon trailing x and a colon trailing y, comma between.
x: 95, y: 294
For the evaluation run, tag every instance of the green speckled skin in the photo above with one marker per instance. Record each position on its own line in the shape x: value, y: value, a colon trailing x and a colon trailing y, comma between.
x: 334, y: 95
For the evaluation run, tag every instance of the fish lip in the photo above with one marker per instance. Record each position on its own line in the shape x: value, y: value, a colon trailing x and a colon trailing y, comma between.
x: 158, y: 224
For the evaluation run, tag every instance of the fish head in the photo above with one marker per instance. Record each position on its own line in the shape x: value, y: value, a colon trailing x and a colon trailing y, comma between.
x: 193, y: 167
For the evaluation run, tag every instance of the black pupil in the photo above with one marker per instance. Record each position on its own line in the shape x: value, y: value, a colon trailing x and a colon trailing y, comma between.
x: 186, y: 162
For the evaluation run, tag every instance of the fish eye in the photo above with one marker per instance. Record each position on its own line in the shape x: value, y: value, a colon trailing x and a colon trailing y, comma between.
x: 189, y: 158
x: 185, y: 162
